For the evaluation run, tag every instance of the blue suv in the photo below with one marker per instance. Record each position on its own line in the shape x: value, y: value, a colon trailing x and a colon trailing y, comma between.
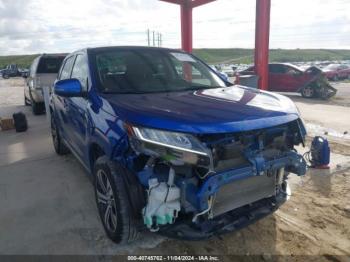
x: 171, y: 147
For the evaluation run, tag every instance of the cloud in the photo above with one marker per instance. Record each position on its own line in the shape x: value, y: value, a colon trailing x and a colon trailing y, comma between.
x: 37, y: 26
x: 13, y: 9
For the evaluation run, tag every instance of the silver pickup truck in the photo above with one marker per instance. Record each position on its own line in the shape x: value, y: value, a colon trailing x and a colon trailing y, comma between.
x: 42, y: 74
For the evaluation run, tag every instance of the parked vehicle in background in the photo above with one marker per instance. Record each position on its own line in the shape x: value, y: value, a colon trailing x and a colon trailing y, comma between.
x: 10, y: 71
x: 169, y: 145
x: 223, y: 75
x: 42, y: 74
x: 336, y: 72
x: 24, y: 72
x: 284, y: 77
x: 228, y: 70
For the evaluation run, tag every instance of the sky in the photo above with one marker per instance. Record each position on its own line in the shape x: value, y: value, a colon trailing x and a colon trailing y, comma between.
x: 47, y: 26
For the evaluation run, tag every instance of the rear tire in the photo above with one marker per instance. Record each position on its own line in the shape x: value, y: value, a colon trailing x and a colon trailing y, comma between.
x: 60, y: 147
x: 113, y: 202
x: 5, y: 76
x: 37, y: 108
x: 336, y: 78
x: 308, y: 92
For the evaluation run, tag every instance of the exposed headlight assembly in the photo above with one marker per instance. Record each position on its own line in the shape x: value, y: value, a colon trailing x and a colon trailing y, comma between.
x: 172, y: 146
x: 174, y: 140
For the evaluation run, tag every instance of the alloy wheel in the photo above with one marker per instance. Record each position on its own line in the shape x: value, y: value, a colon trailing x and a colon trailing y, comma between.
x: 106, y: 201
x: 308, y: 92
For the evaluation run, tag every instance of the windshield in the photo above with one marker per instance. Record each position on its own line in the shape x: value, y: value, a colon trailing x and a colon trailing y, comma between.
x: 152, y: 71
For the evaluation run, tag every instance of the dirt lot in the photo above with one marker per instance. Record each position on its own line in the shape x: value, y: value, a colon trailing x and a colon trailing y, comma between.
x: 47, y: 202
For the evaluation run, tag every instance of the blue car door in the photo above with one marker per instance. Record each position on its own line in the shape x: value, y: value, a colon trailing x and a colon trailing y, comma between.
x: 61, y: 103
x: 77, y: 109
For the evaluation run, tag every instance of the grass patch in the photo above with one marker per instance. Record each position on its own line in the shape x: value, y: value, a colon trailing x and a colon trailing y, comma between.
x: 20, y: 60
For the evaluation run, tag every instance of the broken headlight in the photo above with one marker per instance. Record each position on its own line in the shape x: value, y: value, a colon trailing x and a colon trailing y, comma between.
x: 175, y: 147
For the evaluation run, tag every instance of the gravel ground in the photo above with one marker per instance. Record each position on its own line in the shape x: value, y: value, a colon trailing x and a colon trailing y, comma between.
x: 48, y: 205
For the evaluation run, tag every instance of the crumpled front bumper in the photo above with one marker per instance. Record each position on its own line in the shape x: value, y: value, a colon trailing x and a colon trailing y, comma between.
x: 226, y: 223
x: 291, y: 162
x: 204, y: 220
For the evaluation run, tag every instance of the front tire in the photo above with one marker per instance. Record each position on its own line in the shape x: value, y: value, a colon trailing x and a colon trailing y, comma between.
x: 112, y: 201
x: 26, y: 102
x: 308, y: 92
x: 60, y: 147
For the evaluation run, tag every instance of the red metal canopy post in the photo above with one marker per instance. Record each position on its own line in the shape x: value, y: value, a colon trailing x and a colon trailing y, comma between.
x: 186, y: 20
x: 262, y: 35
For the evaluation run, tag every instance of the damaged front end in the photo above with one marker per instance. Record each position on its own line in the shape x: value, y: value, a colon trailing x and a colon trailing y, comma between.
x: 200, y: 185
x: 319, y: 83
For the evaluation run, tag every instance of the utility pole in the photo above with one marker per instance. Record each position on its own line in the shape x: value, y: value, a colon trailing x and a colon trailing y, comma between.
x: 154, y: 40
x: 158, y: 39
x: 148, y: 38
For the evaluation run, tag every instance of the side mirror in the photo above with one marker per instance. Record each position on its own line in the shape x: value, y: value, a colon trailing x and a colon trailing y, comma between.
x: 68, y: 88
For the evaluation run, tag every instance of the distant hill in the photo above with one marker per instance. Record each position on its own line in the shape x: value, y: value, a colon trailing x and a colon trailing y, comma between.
x: 246, y: 56
x: 229, y: 55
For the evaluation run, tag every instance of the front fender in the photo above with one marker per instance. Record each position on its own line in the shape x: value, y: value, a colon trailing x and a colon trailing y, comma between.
x: 108, y: 133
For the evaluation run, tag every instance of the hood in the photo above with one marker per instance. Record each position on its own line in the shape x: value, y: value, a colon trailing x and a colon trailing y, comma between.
x: 220, y: 110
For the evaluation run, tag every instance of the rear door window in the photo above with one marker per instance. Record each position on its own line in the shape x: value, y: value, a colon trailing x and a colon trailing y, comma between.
x: 49, y: 65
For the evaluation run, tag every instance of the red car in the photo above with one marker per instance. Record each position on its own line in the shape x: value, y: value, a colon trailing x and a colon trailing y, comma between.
x: 285, y: 77
x: 336, y: 71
